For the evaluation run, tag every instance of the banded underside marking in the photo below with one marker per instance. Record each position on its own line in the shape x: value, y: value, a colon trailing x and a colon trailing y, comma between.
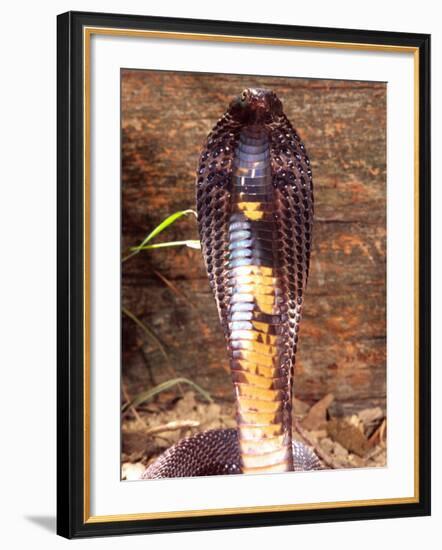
x: 256, y: 311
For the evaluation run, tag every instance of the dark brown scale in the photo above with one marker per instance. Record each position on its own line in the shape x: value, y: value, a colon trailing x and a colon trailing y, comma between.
x: 214, y: 453
x: 255, y: 211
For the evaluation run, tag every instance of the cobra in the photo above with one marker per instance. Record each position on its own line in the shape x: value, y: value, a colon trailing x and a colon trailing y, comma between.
x: 255, y: 213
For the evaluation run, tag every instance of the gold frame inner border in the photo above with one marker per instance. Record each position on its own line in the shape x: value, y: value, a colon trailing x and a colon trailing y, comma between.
x: 88, y: 32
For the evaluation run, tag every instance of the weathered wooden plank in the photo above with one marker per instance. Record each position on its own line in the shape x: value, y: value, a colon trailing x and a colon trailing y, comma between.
x: 165, y: 119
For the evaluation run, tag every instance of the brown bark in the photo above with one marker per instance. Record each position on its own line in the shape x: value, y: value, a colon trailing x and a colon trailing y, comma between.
x: 165, y: 119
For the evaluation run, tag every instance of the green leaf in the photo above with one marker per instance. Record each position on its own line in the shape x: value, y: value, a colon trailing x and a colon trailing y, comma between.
x: 158, y: 229
x: 191, y: 243
x: 150, y: 394
x: 165, y: 223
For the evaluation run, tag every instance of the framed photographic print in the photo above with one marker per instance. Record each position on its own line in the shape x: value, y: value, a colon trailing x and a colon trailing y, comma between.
x: 243, y: 274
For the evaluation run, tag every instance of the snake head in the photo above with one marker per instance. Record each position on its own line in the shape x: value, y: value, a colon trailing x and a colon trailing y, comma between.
x: 256, y: 106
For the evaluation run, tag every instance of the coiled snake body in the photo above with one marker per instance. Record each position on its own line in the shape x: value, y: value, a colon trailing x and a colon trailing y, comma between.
x: 255, y: 213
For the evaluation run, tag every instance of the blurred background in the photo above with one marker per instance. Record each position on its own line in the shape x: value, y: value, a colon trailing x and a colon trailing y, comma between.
x: 170, y: 326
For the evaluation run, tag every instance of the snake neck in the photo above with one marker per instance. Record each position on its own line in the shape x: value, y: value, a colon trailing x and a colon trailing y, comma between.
x: 257, y: 313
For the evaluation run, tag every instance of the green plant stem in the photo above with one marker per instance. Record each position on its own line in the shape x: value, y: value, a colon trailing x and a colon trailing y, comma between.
x: 150, y: 394
x: 191, y: 243
x: 151, y: 337
x: 158, y: 229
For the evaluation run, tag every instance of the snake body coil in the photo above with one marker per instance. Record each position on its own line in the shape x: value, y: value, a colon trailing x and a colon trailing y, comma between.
x: 255, y: 213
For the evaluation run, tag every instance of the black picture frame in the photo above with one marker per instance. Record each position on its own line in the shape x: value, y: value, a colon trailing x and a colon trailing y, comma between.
x: 72, y: 520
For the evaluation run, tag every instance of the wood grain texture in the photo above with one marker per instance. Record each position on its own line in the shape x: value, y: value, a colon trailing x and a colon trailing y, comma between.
x: 165, y: 119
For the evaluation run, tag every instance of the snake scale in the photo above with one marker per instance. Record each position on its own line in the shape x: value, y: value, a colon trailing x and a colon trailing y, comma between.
x: 255, y: 213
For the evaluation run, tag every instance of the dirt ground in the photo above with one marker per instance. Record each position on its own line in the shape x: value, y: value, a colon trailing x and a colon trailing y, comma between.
x: 357, y: 441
